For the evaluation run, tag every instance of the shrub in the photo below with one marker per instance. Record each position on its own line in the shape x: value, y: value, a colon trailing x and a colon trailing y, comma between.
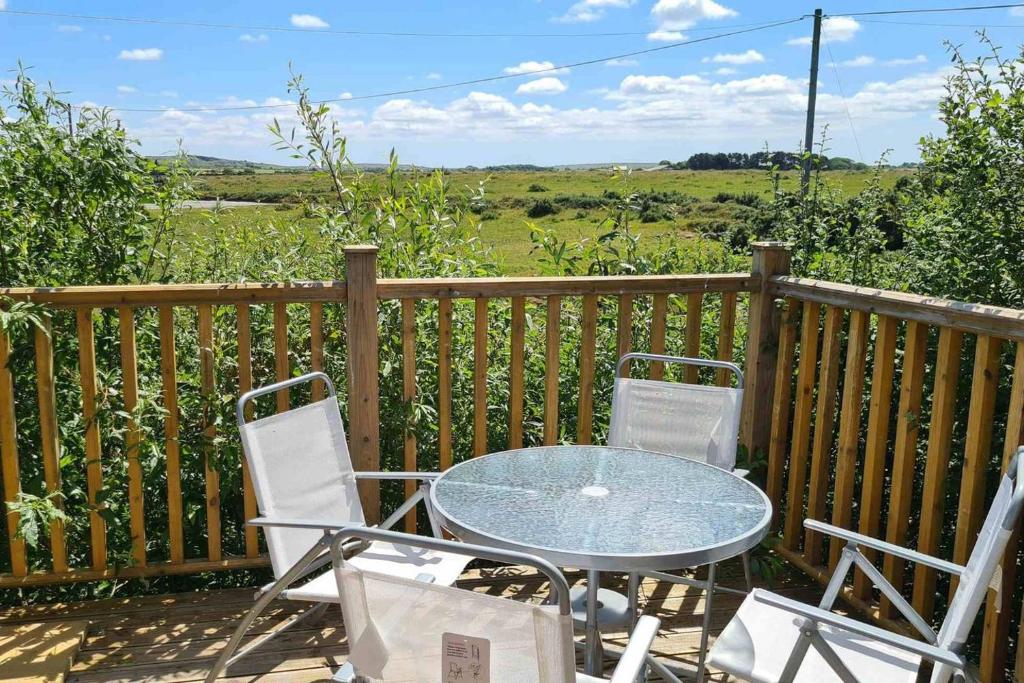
x: 541, y: 208
x: 536, y: 187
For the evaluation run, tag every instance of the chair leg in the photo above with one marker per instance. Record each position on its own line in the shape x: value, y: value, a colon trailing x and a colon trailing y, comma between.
x: 709, y: 593
x: 747, y: 576
x: 228, y: 657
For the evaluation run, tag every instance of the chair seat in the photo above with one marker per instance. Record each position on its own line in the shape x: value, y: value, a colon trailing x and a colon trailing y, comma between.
x: 756, y: 645
x: 386, y: 558
x: 584, y: 678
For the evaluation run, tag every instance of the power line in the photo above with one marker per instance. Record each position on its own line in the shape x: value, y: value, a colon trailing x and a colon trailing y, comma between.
x: 842, y: 94
x: 340, y: 32
x: 938, y: 24
x: 929, y: 10
x: 475, y: 81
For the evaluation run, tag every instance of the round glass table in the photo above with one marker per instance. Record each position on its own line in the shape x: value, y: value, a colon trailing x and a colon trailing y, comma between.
x: 602, y: 509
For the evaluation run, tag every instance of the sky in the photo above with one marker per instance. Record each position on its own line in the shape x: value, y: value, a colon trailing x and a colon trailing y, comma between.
x: 880, y: 78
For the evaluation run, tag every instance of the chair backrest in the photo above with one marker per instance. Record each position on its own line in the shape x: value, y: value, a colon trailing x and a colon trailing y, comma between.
x: 395, y: 626
x: 983, y: 563
x: 300, y: 468
x: 689, y: 420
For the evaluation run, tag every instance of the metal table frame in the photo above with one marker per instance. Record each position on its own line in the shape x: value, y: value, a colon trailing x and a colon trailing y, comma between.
x: 594, y: 563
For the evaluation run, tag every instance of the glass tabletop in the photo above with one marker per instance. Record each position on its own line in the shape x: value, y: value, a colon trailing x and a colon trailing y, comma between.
x: 595, y: 507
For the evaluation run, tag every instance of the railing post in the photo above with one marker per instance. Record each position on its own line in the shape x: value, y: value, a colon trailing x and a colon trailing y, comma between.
x: 363, y: 359
x: 769, y: 258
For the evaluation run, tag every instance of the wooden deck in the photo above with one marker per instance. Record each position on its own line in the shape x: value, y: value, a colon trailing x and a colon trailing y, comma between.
x: 176, y: 637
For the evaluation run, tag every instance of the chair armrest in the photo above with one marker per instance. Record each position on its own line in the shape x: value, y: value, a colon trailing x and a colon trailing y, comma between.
x: 635, y: 655
x: 401, y: 476
x: 820, y: 616
x: 301, y: 523
x: 888, y: 548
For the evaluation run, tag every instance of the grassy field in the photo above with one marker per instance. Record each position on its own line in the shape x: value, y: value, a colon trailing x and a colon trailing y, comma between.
x: 685, y: 204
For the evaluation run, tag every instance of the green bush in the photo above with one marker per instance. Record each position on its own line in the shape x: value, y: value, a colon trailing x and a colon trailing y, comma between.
x: 541, y: 208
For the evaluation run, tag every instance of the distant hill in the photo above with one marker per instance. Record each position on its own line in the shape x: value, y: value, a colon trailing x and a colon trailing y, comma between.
x: 202, y: 163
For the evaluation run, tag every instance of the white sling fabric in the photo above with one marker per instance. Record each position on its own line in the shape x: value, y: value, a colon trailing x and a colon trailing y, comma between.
x: 689, y: 420
x: 975, y: 580
x: 300, y: 469
x: 394, y: 628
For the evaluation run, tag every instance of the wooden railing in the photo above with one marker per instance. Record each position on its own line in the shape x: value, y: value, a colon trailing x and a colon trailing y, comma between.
x: 913, y: 462
x: 185, y: 498
x: 919, y: 468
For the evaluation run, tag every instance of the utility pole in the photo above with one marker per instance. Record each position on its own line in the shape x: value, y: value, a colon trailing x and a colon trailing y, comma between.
x: 812, y: 96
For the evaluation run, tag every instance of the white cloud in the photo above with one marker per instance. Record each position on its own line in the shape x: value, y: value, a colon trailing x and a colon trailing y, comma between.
x: 308, y: 21
x: 833, y: 29
x: 3, y: 4
x: 125, y: 89
x: 250, y: 38
x: 726, y: 71
x: 433, y: 76
x: 542, y: 86
x: 586, y: 11
x: 142, y: 54
x: 1014, y: 11
x: 861, y: 60
x: 169, y: 93
x: 906, y: 61
x: 748, y: 57
x: 548, y: 68
x: 621, y: 62
x: 679, y: 15
x: 69, y: 28
x: 345, y: 96
x: 665, y: 36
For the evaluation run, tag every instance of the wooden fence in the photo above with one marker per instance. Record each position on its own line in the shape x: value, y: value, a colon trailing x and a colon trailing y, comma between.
x: 914, y: 463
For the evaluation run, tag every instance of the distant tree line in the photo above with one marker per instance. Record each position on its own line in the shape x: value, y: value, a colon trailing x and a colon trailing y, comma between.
x: 733, y: 161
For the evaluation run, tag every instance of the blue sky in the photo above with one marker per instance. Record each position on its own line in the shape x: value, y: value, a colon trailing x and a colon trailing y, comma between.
x: 732, y: 94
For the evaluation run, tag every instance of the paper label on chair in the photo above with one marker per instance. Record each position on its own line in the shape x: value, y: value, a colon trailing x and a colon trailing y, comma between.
x: 465, y: 659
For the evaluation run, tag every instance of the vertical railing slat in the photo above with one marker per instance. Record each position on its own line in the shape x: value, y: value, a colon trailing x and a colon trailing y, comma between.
x: 207, y: 380
x: 849, y: 426
x: 249, y: 507
x: 130, y: 389
x: 778, y: 445
x: 904, y: 454
x: 49, y: 434
x: 588, y: 348
x: 282, y: 370
x: 936, y: 468
x: 552, y: 332
x: 515, y: 373
x: 659, y: 315
x: 726, y: 337
x: 480, y: 377
x: 694, y: 320
x: 172, y: 447
x: 316, y: 348
x: 93, y: 463
x: 444, y: 383
x: 408, y: 398
x: 970, y: 511
x: 999, y: 605
x: 824, y: 423
x: 624, y: 330
x: 800, y: 441
x: 876, y: 440
x: 9, y: 459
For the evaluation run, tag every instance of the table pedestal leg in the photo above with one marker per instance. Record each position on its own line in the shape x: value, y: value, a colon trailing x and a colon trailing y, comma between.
x: 709, y: 592
x: 593, y: 654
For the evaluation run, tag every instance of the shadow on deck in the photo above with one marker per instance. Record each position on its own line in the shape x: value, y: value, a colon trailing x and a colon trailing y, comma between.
x: 177, y: 637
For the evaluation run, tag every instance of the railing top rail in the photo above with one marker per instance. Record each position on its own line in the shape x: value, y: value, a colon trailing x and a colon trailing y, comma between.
x: 103, y: 296
x: 1004, y: 323
x: 468, y: 288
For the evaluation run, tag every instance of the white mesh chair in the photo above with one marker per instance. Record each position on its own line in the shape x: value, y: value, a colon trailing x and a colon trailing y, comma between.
x: 395, y: 625
x: 305, y: 487
x: 774, y: 639
x: 688, y: 420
